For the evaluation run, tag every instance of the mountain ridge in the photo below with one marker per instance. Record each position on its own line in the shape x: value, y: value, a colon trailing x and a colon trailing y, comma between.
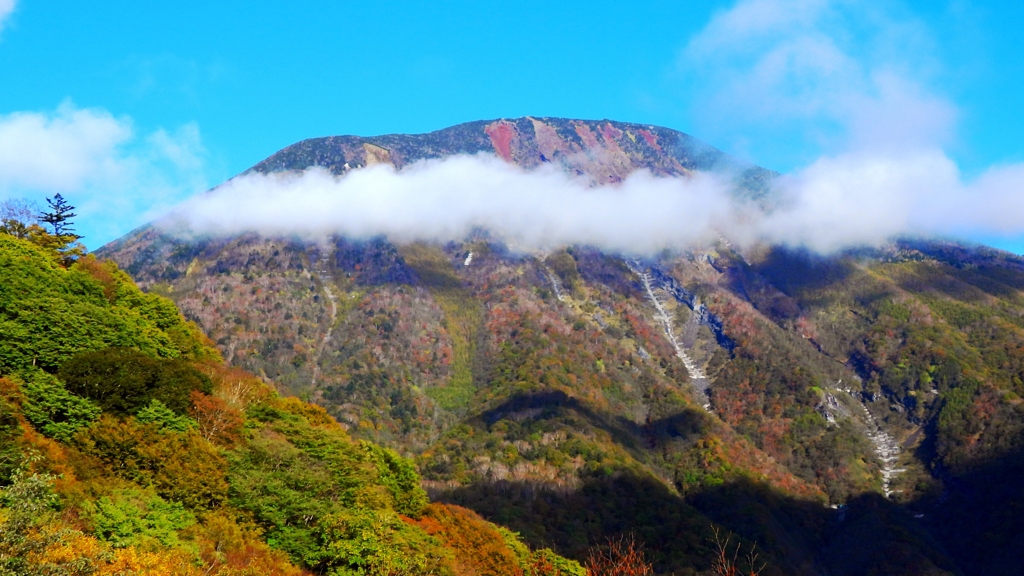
x: 499, y: 136
x: 542, y: 390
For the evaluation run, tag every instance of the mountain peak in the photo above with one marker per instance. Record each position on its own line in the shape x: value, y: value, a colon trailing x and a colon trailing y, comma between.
x: 605, y: 150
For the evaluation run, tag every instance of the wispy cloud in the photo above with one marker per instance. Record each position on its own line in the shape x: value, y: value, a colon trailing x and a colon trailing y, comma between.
x: 841, y: 73
x: 853, y: 81
x: 116, y: 178
x: 6, y: 8
x: 60, y: 151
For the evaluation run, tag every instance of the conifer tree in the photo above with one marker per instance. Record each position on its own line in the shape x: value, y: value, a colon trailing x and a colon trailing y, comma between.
x: 64, y: 238
x: 59, y: 217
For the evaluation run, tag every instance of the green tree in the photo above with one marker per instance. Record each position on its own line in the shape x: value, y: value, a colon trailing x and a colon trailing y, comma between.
x: 28, y: 503
x: 361, y: 542
x: 123, y: 380
x: 64, y: 238
x: 160, y: 415
x: 135, y: 517
x: 53, y: 410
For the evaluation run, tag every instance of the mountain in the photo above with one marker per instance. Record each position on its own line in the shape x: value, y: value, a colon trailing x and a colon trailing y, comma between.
x: 852, y: 414
x: 605, y: 151
x: 128, y: 447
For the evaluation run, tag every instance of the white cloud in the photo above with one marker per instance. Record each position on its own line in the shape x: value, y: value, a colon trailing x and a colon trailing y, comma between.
x: 60, y: 151
x: 447, y: 199
x: 852, y: 82
x: 6, y: 7
x: 840, y: 73
x: 844, y: 72
x: 850, y: 200
x: 115, y: 178
x: 867, y: 198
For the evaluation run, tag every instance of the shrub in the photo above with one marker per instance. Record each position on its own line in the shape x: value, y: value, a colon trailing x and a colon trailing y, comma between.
x: 619, y: 557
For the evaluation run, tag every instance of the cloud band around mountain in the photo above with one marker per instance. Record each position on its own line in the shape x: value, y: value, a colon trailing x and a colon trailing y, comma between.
x: 835, y: 203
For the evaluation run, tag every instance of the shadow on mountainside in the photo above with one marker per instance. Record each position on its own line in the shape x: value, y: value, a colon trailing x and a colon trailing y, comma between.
x: 625, y: 433
x: 870, y: 535
x: 674, y: 534
x: 795, y: 536
x: 980, y: 517
x: 796, y: 272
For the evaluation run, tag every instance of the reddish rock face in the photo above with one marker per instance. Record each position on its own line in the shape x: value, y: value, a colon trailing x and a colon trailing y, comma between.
x: 501, y: 134
x: 651, y: 139
x: 605, y: 151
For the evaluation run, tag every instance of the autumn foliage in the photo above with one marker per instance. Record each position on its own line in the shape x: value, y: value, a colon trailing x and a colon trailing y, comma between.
x: 126, y: 447
x: 622, y: 556
x: 218, y: 422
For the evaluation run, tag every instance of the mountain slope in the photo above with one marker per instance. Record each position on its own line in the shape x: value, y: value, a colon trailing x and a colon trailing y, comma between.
x: 575, y: 395
x: 127, y: 447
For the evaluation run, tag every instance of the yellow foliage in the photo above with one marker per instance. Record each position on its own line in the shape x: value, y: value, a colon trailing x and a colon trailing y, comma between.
x: 316, y: 415
x: 229, y: 549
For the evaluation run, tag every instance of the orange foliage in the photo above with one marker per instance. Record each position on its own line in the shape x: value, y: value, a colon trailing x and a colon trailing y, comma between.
x: 73, y: 552
x: 101, y: 272
x: 53, y: 457
x: 182, y: 467
x: 239, y: 388
x: 218, y: 422
x: 227, y: 548
x: 316, y: 415
x: 11, y: 392
x: 478, y: 546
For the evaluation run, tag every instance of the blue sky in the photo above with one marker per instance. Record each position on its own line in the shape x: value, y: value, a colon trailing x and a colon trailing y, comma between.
x: 152, y: 102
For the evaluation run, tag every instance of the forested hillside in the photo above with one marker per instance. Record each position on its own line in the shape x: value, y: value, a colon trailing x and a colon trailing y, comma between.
x: 127, y: 446
x: 851, y: 414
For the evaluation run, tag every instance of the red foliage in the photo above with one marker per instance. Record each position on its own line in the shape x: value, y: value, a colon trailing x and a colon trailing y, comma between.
x: 587, y: 135
x: 101, y: 272
x: 478, y: 546
x: 610, y: 132
x: 218, y: 422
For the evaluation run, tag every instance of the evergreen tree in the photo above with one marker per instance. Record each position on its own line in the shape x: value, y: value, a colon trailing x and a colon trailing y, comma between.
x: 64, y: 240
x: 59, y: 217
